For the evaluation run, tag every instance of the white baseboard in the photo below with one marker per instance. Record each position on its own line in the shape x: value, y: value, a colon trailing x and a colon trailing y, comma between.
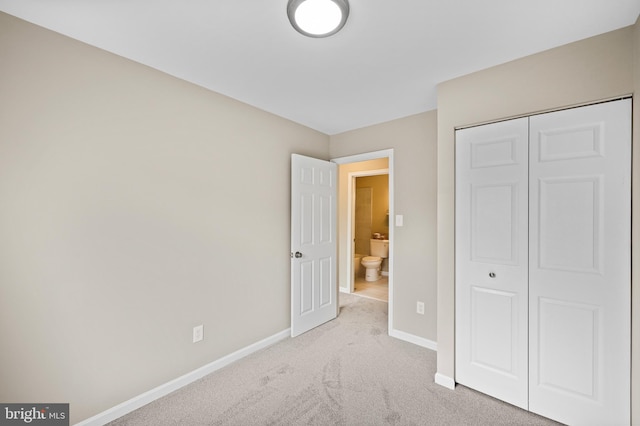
x: 165, y: 389
x: 420, y: 341
x: 445, y: 381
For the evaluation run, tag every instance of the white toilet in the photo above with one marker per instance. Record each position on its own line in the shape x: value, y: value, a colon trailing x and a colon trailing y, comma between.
x: 379, y: 250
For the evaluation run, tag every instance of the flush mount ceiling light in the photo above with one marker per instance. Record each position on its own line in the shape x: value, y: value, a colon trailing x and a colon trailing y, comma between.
x: 318, y: 18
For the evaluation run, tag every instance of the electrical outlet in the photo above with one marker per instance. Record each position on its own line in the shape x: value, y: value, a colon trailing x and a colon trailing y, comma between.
x: 198, y: 333
x: 420, y: 308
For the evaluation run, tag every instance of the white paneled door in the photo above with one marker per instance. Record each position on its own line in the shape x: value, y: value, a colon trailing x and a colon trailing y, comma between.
x: 580, y: 264
x: 314, y: 298
x: 492, y: 259
x: 553, y: 337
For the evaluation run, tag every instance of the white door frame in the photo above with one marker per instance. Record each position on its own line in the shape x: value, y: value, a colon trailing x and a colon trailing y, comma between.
x: 375, y: 155
x: 351, y: 196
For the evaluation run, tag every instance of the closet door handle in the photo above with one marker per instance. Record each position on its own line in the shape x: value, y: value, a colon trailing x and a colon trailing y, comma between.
x: 492, y: 274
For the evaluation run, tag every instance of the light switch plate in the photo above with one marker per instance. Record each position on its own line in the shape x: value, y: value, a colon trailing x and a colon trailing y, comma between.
x: 198, y: 333
x: 399, y: 220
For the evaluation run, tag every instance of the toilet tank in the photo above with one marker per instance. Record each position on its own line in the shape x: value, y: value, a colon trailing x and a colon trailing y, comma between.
x: 379, y: 248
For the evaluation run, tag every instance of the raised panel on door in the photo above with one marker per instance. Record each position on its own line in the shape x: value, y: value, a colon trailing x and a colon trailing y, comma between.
x: 491, y: 259
x: 579, y: 285
x: 570, y: 223
x: 493, y: 222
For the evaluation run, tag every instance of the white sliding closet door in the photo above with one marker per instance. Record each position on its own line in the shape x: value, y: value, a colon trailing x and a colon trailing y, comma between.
x: 491, y: 259
x: 543, y: 262
x: 580, y: 264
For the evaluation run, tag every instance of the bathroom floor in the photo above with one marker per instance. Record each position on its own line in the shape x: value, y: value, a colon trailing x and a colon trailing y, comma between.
x: 378, y: 290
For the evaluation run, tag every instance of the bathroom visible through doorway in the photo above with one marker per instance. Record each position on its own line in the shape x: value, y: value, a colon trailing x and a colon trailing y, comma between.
x: 350, y: 168
x: 370, y: 228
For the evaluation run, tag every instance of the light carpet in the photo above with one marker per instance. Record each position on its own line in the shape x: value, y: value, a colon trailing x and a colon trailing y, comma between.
x: 345, y: 372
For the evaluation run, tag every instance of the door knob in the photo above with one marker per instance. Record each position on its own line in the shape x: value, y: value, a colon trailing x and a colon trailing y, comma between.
x: 492, y: 274
x: 297, y: 255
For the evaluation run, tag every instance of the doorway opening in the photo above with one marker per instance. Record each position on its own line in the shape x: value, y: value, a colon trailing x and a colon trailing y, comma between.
x: 368, y: 195
x: 351, y: 168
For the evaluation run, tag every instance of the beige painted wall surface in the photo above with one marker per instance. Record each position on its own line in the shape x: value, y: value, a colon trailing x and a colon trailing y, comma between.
x: 413, y: 139
x: 635, y: 233
x: 131, y: 204
x: 380, y: 202
x: 589, y: 70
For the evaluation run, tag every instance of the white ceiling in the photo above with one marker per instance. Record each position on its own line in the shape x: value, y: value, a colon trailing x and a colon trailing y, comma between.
x: 384, y: 64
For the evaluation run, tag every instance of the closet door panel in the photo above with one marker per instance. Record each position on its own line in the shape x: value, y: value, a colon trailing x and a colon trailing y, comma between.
x: 579, y: 282
x: 491, y: 259
x: 570, y: 223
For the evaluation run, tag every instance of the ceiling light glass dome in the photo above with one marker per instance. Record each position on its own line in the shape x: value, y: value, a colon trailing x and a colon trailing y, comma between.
x: 318, y: 18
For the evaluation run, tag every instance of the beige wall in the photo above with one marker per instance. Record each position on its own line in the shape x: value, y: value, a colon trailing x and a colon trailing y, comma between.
x: 380, y: 201
x: 635, y: 234
x: 413, y: 140
x: 589, y: 70
x: 132, y: 203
